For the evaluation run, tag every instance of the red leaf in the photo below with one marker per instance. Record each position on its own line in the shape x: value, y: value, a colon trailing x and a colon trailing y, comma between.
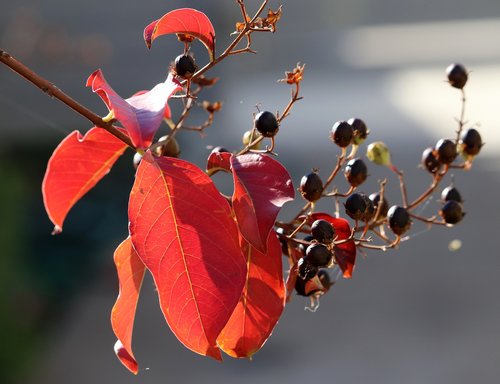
x: 167, y: 114
x: 293, y: 273
x: 185, y: 21
x: 261, y: 303
x: 142, y: 114
x: 261, y: 187
x: 219, y: 161
x: 130, y: 275
x: 345, y: 253
x: 75, y: 167
x: 183, y: 231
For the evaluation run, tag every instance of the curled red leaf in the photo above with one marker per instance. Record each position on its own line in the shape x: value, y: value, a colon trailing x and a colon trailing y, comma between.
x: 130, y: 275
x: 261, y: 187
x: 261, y: 303
x: 185, y: 21
x: 183, y: 231
x: 345, y: 253
x: 141, y: 114
x: 75, y: 167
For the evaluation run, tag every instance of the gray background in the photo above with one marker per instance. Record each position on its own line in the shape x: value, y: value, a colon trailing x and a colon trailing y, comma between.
x: 421, y: 314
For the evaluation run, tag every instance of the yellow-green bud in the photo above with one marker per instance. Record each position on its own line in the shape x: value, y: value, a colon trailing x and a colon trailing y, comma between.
x: 251, y: 135
x: 378, y: 153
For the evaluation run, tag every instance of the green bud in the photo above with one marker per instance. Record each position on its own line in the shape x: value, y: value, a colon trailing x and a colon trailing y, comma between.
x: 378, y: 153
x: 251, y: 135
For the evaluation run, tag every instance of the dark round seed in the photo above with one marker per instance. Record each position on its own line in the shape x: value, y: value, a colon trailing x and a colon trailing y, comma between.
x: 185, y: 66
x: 311, y: 186
x: 399, y: 219
x: 318, y: 255
x: 446, y: 151
x: 266, y: 123
x: 457, y: 75
x: 470, y: 142
x: 342, y: 133
x: 430, y: 161
x: 356, y: 172
x: 451, y: 193
x: 355, y: 206
x: 322, y: 231
x: 359, y: 129
x: 452, y: 212
x: 306, y: 269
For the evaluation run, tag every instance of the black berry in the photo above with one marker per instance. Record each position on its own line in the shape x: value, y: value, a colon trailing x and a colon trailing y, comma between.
x: 356, y: 172
x: 446, y: 151
x: 306, y: 269
x: 318, y: 255
x: 375, y: 198
x: 470, y: 142
x: 322, y: 231
x: 359, y: 129
x: 452, y: 212
x: 311, y: 186
x: 457, y: 75
x: 342, y: 133
x: 430, y: 161
x: 399, y: 219
x: 355, y: 206
x: 185, y: 66
x: 451, y: 193
x: 266, y: 123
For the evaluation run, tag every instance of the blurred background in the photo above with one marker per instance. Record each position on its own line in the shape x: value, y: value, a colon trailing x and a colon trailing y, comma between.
x: 420, y: 314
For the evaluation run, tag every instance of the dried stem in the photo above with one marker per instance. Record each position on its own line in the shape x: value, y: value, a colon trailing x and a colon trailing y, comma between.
x: 53, y: 91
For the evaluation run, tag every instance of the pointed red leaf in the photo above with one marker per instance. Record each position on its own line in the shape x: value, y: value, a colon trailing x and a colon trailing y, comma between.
x: 167, y: 114
x: 261, y: 303
x: 186, y: 21
x: 141, y: 114
x: 261, y: 187
x: 183, y: 231
x: 75, y: 167
x: 345, y: 253
x: 130, y: 275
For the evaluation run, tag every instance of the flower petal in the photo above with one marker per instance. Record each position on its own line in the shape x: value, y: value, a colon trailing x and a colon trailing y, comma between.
x: 141, y: 115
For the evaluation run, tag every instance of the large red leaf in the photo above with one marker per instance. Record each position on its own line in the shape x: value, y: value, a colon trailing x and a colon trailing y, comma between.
x: 183, y: 231
x: 130, y: 275
x: 75, y: 167
x: 141, y: 115
x: 186, y: 21
x: 261, y: 187
x: 261, y: 303
x: 345, y: 253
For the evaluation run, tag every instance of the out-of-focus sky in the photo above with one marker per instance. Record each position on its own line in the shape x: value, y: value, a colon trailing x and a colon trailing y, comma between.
x: 420, y: 314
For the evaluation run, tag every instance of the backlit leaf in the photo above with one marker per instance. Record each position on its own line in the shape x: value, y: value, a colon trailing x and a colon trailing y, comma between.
x: 261, y: 303
x: 185, y: 21
x: 183, y: 231
x: 130, y: 275
x: 261, y: 187
x: 345, y: 253
x: 75, y: 167
x: 141, y: 114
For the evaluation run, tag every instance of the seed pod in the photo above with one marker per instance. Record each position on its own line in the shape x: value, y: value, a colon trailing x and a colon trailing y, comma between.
x: 430, y: 161
x: 446, y: 151
x: 457, y: 75
x: 399, y: 219
x: 306, y: 269
x: 251, y: 135
x: 378, y: 153
x: 355, y: 206
x: 322, y: 231
x: 185, y: 66
x: 375, y: 198
x: 356, y: 172
x: 168, y: 147
x: 342, y: 133
x: 359, y: 129
x: 451, y: 193
x: 470, y: 142
x: 266, y: 123
x: 319, y: 255
x: 452, y: 212
x: 311, y: 187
